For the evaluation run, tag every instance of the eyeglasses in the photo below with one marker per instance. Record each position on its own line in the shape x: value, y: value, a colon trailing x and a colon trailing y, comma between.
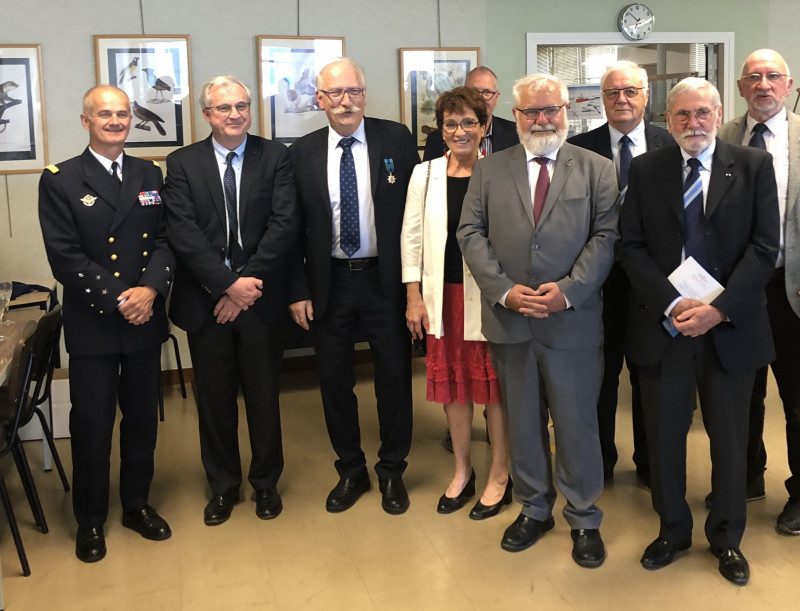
x: 755, y: 78
x: 338, y: 94
x: 701, y: 114
x: 533, y: 113
x: 630, y: 92
x: 450, y: 127
x: 487, y: 94
x: 226, y: 109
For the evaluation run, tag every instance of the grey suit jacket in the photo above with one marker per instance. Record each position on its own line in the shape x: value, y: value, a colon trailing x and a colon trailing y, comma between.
x: 733, y: 132
x: 573, y: 244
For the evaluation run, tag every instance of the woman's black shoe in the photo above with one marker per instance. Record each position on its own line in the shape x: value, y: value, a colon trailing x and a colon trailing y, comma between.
x: 481, y: 511
x: 449, y: 505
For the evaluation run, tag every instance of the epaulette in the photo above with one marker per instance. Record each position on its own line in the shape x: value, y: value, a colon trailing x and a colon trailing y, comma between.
x: 155, y: 163
x: 53, y: 169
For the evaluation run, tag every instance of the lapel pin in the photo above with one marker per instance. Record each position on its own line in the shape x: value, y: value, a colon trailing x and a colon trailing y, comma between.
x: 728, y: 174
x: 88, y: 200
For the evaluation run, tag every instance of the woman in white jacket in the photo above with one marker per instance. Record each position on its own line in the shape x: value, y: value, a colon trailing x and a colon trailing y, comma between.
x: 444, y: 302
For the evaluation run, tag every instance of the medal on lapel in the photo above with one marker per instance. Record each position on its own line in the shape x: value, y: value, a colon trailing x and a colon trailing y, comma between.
x: 88, y: 200
x: 389, y: 165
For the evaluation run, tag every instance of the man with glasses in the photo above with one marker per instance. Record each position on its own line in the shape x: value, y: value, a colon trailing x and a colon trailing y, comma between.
x: 537, y: 231
x: 717, y: 204
x: 500, y: 133
x: 351, y: 182
x: 765, y: 84
x: 626, y: 135
x: 232, y: 220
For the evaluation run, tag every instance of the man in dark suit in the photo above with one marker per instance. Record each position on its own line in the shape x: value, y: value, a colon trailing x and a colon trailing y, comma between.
x: 232, y: 220
x: 765, y: 84
x: 351, y: 179
x: 103, y: 225
x: 626, y: 135
x: 538, y: 230
x: 716, y: 203
x: 500, y: 133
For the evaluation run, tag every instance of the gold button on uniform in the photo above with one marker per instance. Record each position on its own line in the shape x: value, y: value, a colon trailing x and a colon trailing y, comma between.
x: 116, y: 274
x: 144, y: 254
x: 113, y: 257
x: 111, y: 240
x: 144, y: 235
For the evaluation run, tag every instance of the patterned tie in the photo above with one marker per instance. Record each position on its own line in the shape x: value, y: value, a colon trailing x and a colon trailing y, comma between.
x: 115, y: 171
x: 625, y: 158
x: 348, y: 205
x: 693, y: 215
x: 235, y: 252
x: 757, y: 139
x: 542, y: 185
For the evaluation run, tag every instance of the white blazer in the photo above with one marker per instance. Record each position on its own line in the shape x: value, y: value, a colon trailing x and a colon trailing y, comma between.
x: 426, y: 263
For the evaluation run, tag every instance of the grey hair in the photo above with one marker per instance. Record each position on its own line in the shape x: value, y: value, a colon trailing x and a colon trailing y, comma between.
x: 342, y: 60
x: 538, y: 81
x: 220, y: 81
x: 693, y: 84
x: 625, y: 65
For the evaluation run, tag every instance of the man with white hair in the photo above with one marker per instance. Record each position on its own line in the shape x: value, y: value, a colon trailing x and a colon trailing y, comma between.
x: 626, y: 135
x: 537, y: 231
x: 715, y: 203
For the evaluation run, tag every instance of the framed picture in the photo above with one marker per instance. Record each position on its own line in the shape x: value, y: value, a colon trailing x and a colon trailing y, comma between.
x: 155, y: 72
x: 287, y: 72
x: 424, y: 75
x: 23, y: 144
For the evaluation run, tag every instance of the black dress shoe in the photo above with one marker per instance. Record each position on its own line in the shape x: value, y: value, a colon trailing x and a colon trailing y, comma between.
x: 268, y: 503
x: 346, y: 493
x: 524, y: 532
x: 450, y: 504
x: 588, y: 550
x: 90, y: 544
x: 219, y: 509
x: 481, y: 511
x: 147, y: 523
x: 733, y: 565
x: 394, y: 499
x: 660, y: 553
x: 789, y: 520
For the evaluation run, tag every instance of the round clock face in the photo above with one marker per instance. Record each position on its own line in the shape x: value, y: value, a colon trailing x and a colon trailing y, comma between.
x: 636, y: 21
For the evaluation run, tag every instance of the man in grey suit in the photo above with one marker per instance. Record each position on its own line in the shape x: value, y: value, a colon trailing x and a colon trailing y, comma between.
x: 537, y: 231
x: 765, y: 84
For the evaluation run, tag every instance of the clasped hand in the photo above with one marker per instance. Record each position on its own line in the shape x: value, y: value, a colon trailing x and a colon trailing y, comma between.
x: 693, y: 318
x: 536, y: 303
x: 137, y: 306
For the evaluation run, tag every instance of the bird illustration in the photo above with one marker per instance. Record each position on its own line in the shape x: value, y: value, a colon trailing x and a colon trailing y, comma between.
x: 148, y: 116
x: 5, y: 88
x: 128, y: 71
x: 160, y: 85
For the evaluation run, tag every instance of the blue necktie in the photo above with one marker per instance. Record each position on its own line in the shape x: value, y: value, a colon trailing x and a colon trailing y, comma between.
x: 348, y: 200
x: 757, y: 139
x: 235, y: 253
x: 625, y: 158
x: 693, y: 215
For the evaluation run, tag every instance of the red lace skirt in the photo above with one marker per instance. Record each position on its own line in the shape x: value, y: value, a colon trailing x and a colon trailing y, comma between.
x: 458, y: 370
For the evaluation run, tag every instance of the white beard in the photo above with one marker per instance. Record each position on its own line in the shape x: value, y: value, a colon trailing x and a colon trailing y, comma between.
x: 538, y: 145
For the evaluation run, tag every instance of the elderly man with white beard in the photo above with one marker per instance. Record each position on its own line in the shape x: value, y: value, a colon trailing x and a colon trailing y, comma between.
x: 538, y: 229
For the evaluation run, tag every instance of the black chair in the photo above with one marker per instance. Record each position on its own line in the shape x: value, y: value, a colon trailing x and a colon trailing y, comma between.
x: 180, y: 378
x: 13, y: 400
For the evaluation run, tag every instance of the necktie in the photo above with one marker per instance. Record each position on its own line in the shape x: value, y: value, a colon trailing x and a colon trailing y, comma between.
x: 542, y: 185
x: 348, y: 200
x: 757, y: 139
x: 235, y: 252
x: 625, y: 158
x: 115, y: 171
x: 693, y: 215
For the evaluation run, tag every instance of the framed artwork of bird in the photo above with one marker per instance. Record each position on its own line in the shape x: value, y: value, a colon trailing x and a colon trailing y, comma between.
x: 155, y: 72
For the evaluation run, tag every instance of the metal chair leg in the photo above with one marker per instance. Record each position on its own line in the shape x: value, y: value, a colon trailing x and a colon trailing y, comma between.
x: 12, y: 524
x: 178, y: 362
x: 30, y: 486
x: 48, y: 435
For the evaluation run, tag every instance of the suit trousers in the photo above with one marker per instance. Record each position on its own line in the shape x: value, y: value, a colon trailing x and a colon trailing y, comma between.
x: 615, y: 309
x: 785, y: 325
x: 690, y: 368
x: 536, y: 382
x: 356, y: 301
x: 96, y: 383
x: 246, y: 353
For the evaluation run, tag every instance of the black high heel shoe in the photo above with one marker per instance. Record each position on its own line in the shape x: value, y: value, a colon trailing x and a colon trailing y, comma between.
x: 449, y: 505
x: 481, y: 511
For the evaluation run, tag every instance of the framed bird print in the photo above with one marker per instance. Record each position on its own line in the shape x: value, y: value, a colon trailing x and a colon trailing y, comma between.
x: 288, y: 67
x: 424, y: 75
x: 23, y: 143
x: 155, y: 72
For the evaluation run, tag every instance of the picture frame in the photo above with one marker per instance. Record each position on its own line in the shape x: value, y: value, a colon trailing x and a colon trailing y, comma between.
x: 425, y: 73
x: 23, y: 129
x: 287, y: 70
x: 156, y: 73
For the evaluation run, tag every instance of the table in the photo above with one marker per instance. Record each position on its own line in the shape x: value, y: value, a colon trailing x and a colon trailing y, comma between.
x: 13, y: 333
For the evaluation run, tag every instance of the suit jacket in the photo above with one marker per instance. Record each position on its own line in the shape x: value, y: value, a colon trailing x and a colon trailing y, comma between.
x: 386, y: 140
x: 599, y: 139
x: 422, y: 246
x: 504, y: 135
x: 102, y: 238
x: 573, y: 244
x: 197, y: 228
x: 733, y: 133
x: 741, y: 213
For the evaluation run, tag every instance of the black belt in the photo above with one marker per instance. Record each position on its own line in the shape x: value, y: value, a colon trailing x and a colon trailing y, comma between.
x: 355, y: 265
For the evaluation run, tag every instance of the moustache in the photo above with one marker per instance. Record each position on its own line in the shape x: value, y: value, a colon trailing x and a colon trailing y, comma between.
x: 543, y: 128
x: 341, y: 109
x: 695, y: 132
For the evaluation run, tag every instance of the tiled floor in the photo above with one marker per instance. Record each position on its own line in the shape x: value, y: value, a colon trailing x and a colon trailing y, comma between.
x: 366, y: 559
